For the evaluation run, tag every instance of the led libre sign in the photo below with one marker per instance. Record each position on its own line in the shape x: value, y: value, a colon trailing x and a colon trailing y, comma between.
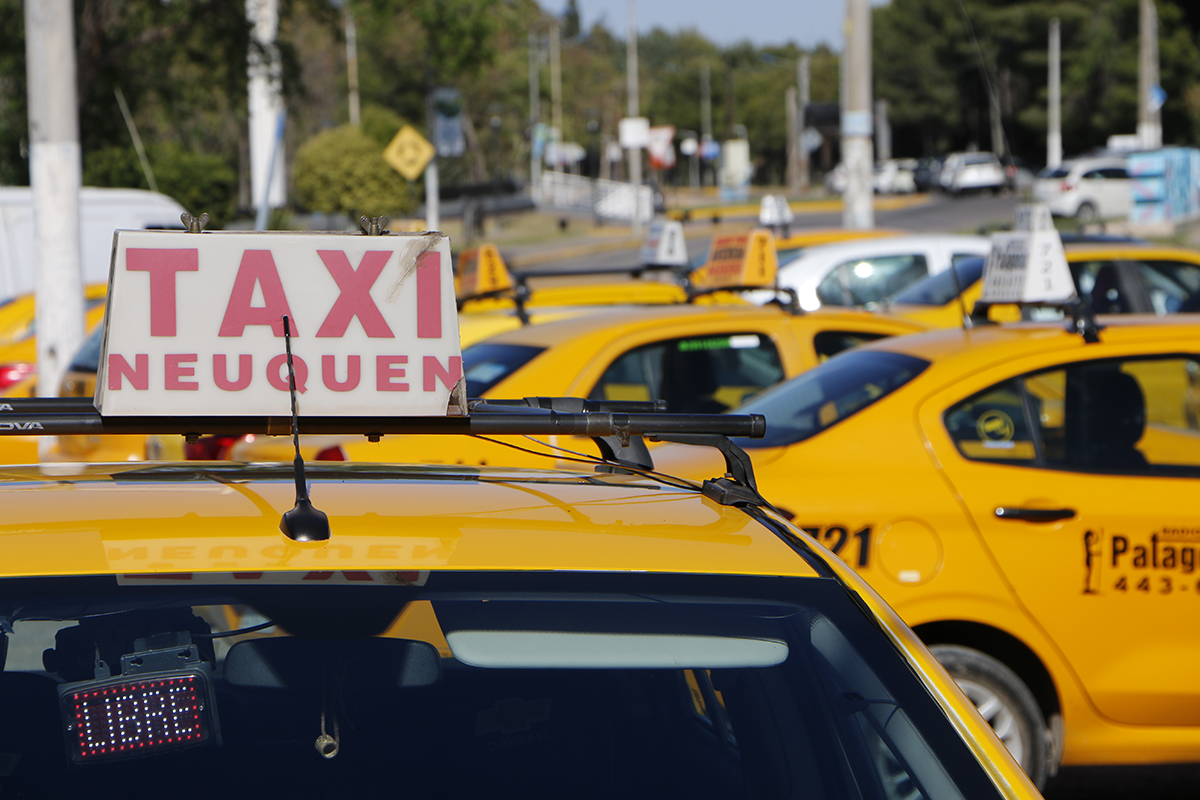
x: 130, y: 718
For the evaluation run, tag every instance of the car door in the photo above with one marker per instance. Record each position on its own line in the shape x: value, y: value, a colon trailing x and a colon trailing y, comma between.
x: 1083, y: 479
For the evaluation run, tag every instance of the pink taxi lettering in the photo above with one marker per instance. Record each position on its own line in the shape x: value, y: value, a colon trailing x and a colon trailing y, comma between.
x: 433, y: 372
x: 355, y: 298
x: 221, y: 372
x: 138, y: 374
x: 257, y: 268
x: 277, y: 373
x: 429, y: 296
x: 162, y: 266
x: 175, y: 372
x: 329, y: 373
x: 388, y: 372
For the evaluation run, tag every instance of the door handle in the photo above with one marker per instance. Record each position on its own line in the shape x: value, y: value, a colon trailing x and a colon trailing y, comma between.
x: 1034, y: 514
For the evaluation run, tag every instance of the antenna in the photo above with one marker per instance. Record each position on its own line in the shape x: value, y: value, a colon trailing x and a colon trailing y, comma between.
x: 303, y: 523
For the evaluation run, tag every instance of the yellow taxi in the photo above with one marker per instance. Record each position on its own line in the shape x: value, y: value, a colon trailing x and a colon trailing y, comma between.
x: 273, y: 629
x: 18, y: 339
x: 695, y: 358
x: 1113, y: 277
x: 1025, y: 496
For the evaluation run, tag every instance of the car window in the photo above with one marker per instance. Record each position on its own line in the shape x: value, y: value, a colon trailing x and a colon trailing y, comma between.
x: 1094, y: 175
x: 1133, y: 416
x: 88, y: 357
x: 828, y: 394
x: 1174, y: 286
x: 1053, y: 172
x: 1117, y: 173
x: 485, y: 365
x: 869, y: 281
x: 640, y: 687
x: 828, y: 344
x: 1099, y: 286
x: 939, y: 289
x: 698, y: 375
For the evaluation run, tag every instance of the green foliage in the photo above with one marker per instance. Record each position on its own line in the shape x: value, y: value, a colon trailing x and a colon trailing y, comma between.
x: 200, y: 182
x: 381, y: 124
x: 342, y: 170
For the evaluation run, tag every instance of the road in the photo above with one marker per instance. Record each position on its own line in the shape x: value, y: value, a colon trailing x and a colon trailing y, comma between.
x: 941, y: 214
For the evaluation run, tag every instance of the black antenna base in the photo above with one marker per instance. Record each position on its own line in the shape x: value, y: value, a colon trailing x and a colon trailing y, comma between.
x: 305, y: 523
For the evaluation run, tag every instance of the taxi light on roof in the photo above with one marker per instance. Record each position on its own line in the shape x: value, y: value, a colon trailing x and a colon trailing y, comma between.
x: 194, y: 325
x: 1027, y: 264
x: 481, y: 272
x: 130, y: 718
x: 738, y: 261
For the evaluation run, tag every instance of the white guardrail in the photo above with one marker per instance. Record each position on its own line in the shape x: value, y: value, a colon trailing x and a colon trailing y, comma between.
x: 608, y: 200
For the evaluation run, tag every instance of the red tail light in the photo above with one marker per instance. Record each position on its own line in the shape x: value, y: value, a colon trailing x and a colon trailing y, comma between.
x: 1066, y: 186
x: 209, y: 448
x: 15, y: 373
x: 335, y: 453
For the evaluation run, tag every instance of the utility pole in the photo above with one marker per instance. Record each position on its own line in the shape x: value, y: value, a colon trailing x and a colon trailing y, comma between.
x: 793, y: 140
x: 54, y: 174
x: 1149, y: 118
x: 802, y: 81
x: 705, y: 107
x: 535, y: 113
x: 858, y: 202
x: 883, y: 132
x: 1054, y: 152
x: 352, y: 66
x: 556, y: 93
x: 635, y: 154
x: 267, y: 178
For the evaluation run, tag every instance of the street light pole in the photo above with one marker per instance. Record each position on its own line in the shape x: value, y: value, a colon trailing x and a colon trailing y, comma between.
x: 1149, y: 116
x: 556, y: 93
x: 535, y: 114
x: 1054, y: 134
x: 802, y: 81
x: 858, y: 212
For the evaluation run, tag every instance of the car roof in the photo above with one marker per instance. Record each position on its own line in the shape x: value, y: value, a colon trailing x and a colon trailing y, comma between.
x: 1079, y: 251
x: 955, y: 349
x: 220, y: 517
x: 871, y: 247
x: 612, y: 322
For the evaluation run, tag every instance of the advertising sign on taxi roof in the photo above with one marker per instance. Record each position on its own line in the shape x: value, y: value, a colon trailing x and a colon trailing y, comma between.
x: 194, y: 325
x: 1027, y: 264
x: 481, y: 271
x: 742, y: 259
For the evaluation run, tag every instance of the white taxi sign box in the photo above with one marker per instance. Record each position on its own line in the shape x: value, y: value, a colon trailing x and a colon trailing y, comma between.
x: 194, y: 325
x: 664, y: 245
x: 1027, y: 264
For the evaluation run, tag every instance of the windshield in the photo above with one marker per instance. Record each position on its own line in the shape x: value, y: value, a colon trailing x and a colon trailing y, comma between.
x: 481, y: 685
x: 939, y: 289
x: 485, y: 365
x: 822, y: 397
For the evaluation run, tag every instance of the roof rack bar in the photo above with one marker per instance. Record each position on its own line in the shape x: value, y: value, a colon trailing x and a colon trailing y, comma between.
x: 533, y: 422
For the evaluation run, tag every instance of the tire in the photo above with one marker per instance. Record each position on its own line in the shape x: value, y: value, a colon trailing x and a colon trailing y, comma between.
x: 1005, y: 702
x: 1086, y: 213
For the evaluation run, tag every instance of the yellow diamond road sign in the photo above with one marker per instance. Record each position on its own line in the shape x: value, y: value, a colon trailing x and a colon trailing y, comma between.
x: 408, y: 153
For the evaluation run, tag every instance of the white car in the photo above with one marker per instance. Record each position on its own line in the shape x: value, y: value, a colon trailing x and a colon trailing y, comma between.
x: 867, y: 272
x: 965, y: 172
x: 895, y: 176
x: 1086, y: 188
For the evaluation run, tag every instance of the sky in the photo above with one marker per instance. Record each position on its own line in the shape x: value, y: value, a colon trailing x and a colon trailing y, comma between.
x: 725, y: 22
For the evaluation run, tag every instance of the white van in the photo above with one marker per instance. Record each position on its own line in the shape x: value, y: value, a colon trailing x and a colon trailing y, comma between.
x: 101, y: 211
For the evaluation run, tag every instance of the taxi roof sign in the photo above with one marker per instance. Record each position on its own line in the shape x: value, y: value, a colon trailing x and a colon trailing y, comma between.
x: 1027, y: 264
x: 738, y: 260
x: 194, y: 325
x: 664, y: 245
x: 481, y: 271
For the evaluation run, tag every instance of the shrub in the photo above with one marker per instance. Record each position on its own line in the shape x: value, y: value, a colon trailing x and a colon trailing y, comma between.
x: 198, y: 181
x: 342, y: 170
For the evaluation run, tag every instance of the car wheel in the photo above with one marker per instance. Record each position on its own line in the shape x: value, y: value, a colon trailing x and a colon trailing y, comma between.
x: 1086, y: 213
x: 1005, y: 702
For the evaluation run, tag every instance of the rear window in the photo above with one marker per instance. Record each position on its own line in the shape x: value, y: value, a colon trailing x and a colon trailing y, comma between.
x: 937, y: 290
x: 485, y: 365
x: 823, y: 397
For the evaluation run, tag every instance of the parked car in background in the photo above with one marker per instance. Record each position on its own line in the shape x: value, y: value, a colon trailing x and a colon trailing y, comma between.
x: 868, y: 272
x: 927, y: 175
x: 968, y: 172
x: 101, y: 211
x: 895, y: 176
x: 1086, y: 189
